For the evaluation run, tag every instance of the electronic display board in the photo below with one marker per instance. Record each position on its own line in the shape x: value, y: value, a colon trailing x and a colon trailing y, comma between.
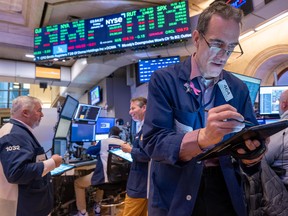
x: 114, y: 32
x: 245, y: 5
x: 147, y: 66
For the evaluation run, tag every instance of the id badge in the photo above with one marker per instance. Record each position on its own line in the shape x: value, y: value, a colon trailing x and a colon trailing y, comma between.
x: 226, y: 92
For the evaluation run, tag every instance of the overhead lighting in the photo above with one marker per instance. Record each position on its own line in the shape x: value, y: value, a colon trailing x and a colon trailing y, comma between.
x: 264, y: 25
x: 279, y: 17
x: 29, y: 56
x: 246, y: 34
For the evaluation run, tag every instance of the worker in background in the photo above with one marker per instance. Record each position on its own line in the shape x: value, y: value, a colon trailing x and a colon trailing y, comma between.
x: 136, y: 202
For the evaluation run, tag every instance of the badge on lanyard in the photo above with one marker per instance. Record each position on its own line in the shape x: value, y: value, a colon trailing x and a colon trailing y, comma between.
x: 227, y: 94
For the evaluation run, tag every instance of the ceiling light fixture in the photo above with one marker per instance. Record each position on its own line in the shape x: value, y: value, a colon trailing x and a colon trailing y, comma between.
x: 270, y: 22
x: 264, y: 25
x: 29, y: 55
x: 246, y: 34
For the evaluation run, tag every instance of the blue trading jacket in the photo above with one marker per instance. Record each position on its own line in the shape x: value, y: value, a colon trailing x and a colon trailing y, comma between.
x: 174, y: 184
x: 23, y: 191
x: 137, y: 180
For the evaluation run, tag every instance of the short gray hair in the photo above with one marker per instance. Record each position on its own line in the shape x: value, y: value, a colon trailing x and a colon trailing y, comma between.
x: 23, y: 102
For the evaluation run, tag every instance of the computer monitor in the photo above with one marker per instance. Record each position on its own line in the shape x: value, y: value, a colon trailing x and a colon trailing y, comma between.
x: 59, y: 146
x: 82, y: 132
x: 95, y: 95
x: 104, y: 124
x: 69, y: 107
x: 269, y: 99
x: 271, y: 120
x: 253, y: 85
x: 147, y: 66
x: 87, y: 112
x: 99, y: 137
x: 62, y: 129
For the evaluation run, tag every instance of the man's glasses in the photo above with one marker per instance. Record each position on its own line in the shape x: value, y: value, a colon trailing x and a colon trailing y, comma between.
x: 215, y: 47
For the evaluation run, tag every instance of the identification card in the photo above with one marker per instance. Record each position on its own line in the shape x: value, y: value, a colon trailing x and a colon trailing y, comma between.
x: 226, y: 92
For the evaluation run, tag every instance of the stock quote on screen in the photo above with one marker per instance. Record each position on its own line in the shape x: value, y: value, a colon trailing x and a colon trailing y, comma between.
x: 125, y: 30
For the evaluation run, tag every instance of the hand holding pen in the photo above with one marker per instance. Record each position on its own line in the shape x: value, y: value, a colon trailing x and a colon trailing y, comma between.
x: 247, y: 123
x: 221, y: 120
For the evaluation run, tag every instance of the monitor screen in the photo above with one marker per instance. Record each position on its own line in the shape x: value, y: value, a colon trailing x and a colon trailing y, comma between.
x: 59, y: 146
x: 271, y: 120
x: 147, y: 66
x: 99, y: 137
x: 269, y: 99
x: 95, y: 95
x: 82, y: 132
x: 104, y: 124
x: 253, y: 85
x: 62, y: 129
x: 87, y: 112
x: 69, y: 107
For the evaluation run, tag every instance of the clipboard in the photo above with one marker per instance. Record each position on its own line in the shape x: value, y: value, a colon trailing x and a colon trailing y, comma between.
x: 125, y: 155
x: 230, y: 146
x: 61, y: 169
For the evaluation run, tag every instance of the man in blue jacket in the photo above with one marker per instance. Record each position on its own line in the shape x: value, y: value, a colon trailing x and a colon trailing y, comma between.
x: 187, y: 111
x: 136, y: 202
x: 25, y: 180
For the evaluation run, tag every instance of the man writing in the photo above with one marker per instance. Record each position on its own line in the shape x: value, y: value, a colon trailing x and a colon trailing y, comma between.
x: 187, y: 111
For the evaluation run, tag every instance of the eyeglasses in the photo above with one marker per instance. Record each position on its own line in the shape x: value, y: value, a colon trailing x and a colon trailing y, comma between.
x: 233, y: 51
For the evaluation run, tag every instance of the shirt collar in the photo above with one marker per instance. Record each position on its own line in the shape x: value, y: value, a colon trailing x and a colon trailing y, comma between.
x: 31, y: 129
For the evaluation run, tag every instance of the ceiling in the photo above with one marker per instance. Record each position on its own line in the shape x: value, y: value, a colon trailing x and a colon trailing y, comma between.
x: 18, y: 18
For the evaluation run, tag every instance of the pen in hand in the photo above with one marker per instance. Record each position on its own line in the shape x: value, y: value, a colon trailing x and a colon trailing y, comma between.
x: 247, y: 123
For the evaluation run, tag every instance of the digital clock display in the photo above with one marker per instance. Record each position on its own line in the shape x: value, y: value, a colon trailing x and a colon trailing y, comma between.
x: 115, y: 32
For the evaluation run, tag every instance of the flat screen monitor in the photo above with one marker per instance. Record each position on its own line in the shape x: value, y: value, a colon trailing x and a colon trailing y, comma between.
x: 253, y: 85
x: 271, y: 120
x: 99, y: 137
x: 95, y: 95
x: 269, y: 99
x: 59, y: 146
x: 63, y: 127
x: 104, y: 124
x: 82, y: 132
x: 147, y: 66
x: 87, y: 112
x: 69, y: 107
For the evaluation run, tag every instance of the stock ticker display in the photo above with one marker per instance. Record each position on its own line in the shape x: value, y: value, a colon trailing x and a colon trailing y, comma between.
x: 125, y: 30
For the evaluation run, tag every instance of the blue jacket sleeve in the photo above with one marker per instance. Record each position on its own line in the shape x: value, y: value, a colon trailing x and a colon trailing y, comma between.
x: 94, y: 150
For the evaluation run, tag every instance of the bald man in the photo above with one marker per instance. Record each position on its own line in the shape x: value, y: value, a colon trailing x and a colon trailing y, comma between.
x: 277, y: 154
